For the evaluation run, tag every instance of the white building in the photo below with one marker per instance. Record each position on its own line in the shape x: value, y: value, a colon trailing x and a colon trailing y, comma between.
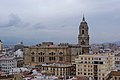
x: 7, y: 63
x: 18, y: 53
x: 17, y: 70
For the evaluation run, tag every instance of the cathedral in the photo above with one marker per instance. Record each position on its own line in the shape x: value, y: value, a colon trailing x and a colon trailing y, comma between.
x: 47, y: 52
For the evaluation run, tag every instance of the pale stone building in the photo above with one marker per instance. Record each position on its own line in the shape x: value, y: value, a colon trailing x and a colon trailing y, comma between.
x: 1, y: 46
x: 2, y: 50
x: 63, y: 52
x: 58, y: 69
x: 95, y: 66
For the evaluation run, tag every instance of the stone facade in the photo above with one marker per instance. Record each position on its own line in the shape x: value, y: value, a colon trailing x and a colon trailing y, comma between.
x: 63, y: 52
x: 36, y: 55
x: 1, y: 45
x: 83, y: 37
x: 58, y: 69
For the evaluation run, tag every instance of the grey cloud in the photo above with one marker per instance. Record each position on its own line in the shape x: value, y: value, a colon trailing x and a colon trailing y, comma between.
x: 13, y: 21
x: 39, y: 26
x: 55, y: 18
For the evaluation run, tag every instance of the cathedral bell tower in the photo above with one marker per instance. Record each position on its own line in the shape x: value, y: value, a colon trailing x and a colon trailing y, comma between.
x: 83, y: 37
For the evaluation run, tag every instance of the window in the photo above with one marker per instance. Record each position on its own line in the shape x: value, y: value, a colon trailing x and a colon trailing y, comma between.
x: 39, y: 59
x: 82, y: 43
x: 32, y: 53
x: 83, y: 51
x: 43, y: 59
x: 52, y: 53
x: 84, y: 73
x: 60, y: 53
x: 49, y: 58
x: 95, y: 62
x: 60, y: 58
x: 39, y: 53
x: 54, y: 58
x: 101, y: 62
x: 83, y: 32
x: 32, y: 59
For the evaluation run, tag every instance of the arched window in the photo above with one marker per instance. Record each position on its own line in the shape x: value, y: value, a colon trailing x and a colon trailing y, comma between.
x: 43, y: 59
x: 39, y: 59
x: 32, y: 53
x: 60, y: 53
x: 32, y: 59
x: 82, y: 43
x: 41, y: 53
x: 83, y: 51
x: 52, y: 53
x: 83, y: 31
x: 49, y: 58
x: 54, y: 58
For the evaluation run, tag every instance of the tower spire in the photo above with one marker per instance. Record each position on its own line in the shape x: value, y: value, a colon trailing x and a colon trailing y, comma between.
x: 83, y: 18
x: 83, y: 37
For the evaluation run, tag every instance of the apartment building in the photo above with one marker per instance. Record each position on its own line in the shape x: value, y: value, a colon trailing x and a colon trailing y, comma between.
x: 7, y: 63
x: 95, y: 66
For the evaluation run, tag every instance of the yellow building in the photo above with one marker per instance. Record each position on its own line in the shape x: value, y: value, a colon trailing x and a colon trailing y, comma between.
x: 95, y: 66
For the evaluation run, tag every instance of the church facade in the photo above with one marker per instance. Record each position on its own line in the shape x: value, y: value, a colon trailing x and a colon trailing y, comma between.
x: 48, y: 52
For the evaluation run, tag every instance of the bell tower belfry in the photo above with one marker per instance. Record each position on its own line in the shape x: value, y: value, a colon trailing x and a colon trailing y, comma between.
x: 83, y: 37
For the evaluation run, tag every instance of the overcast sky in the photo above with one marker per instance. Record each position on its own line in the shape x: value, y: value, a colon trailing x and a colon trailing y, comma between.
x: 35, y: 21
